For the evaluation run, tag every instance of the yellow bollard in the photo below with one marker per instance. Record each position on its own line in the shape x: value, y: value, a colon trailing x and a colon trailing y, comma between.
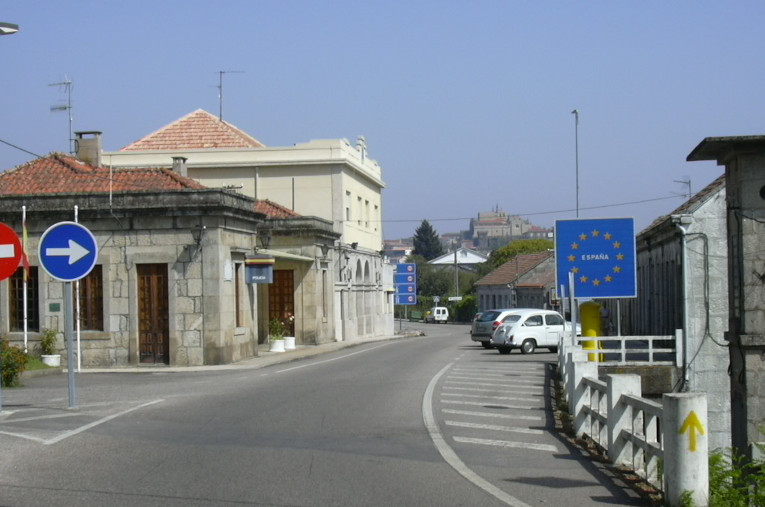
x: 591, y: 326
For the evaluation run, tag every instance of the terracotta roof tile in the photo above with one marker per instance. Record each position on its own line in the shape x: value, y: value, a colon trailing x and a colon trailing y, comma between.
x: 197, y: 130
x: 274, y: 210
x: 514, y: 268
x: 58, y: 173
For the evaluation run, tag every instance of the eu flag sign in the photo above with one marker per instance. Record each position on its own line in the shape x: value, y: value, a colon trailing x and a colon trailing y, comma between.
x: 601, y: 255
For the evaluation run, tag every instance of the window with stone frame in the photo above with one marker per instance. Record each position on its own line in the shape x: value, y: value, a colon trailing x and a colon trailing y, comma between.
x: 16, y: 301
x: 92, y: 300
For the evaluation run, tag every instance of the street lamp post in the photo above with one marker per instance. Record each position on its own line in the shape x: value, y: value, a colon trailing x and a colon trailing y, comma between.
x: 575, y: 112
x: 8, y: 28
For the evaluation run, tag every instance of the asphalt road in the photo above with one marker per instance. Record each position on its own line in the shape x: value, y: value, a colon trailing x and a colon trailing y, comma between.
x: 431, y: 420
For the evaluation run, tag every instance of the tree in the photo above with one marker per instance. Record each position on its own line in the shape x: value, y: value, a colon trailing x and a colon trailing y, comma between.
x: 522, y: 246
x: 426, y: 242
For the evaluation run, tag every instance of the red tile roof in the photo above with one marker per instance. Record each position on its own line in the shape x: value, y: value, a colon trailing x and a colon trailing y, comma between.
x: 198, y: 130
x: 514, y: 268
x: 274, y: 210
x: 58, y: 173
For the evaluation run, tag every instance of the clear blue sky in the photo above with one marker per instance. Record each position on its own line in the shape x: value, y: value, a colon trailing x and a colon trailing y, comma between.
x: 466, y: 105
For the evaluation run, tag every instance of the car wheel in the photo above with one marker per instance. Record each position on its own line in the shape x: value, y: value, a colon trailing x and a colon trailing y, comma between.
x: 486, y: 345
x: 528, y: 346
x: 504, y: 350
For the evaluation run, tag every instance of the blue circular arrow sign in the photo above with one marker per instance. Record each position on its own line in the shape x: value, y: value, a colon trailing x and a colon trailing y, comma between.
x: 67, y: 251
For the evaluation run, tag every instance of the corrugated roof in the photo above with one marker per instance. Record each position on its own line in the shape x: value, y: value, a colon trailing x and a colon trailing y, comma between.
x: 514, y: 268
x: 197, y: 130
x: 58, y: 173
x: 274, y: 210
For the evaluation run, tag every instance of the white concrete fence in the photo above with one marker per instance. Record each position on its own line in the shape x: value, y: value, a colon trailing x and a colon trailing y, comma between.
x: 644, y: 435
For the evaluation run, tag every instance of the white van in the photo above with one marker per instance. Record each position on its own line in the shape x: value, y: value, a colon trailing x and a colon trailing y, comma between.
x: 437, y: 314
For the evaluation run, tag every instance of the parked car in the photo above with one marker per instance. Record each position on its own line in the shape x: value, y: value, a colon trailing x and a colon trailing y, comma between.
x: 485, y: 323
x: 530, y: 328
x: 437, y: 314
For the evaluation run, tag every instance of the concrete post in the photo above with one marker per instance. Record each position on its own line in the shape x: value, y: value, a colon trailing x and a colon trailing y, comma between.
x: 620, y: 415
x: 578, y: 391
x: 686, y: 448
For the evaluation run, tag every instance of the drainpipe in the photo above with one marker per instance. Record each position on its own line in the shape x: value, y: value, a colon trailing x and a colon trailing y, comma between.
x: 683, y: 223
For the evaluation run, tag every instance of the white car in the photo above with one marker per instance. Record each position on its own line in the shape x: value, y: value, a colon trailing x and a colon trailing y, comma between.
x: 527, y: 329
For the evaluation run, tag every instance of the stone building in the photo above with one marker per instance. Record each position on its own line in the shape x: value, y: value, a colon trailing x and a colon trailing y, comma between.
x: 168, y: 284
x: 744, y: 161
x: 327, y: 179
x: 668, y: 300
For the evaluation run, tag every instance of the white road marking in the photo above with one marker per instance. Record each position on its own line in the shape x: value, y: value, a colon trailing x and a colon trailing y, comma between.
x: 493, y: 384
x: 507, y: 382
x: 450, y: 387
x: 507, y: 444
x: 494, y: 427
x: 483, y: 404
x: 492, y: 415
x: 307, y: 365
x: 448, y: 453
x: 506, y: 398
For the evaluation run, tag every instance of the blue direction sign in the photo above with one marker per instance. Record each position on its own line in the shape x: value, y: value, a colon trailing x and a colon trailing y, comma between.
x: 601, y: 255
x: 405, y: 281
x: 67, y: 251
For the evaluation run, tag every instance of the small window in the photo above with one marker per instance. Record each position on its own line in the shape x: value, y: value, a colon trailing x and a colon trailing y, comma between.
x: 554, y: 320
x: 16, y: 301
x: 534, y: 320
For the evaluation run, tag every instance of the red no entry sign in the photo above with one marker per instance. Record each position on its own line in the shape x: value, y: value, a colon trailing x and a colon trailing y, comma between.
x: 10, y: 251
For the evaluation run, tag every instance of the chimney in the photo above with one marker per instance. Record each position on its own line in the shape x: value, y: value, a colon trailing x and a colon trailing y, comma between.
x: 88, y: 147
x: 179, y: 166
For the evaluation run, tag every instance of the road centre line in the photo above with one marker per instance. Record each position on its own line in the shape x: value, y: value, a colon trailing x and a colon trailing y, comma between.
x: 494, y: 427
x: 448, y: 453
x: 306, y: 365
x: 483, y: 404
x: 506, y: 398
x: 507, y: 444
x: 491, y: 414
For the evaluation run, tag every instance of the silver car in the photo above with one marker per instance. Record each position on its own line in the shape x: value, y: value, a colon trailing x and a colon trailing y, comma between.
x: 485, y: 323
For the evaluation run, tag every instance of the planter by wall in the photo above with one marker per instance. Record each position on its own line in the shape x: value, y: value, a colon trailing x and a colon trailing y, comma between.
x: 289, y: 343
x: 51, y: 360
x: 277, y: 346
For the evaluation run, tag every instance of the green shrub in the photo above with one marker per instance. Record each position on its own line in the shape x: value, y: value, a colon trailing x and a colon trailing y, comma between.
x: 733, y: 482
x: 12, y: 360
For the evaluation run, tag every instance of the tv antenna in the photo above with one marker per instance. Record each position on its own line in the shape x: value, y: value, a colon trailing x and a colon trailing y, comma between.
x: 220, y: 89
x: 66, y: 84
x: 686, y: 182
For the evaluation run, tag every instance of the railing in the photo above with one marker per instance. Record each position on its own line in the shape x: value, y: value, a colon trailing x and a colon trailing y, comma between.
x: 634, y: 350
x: 641, y: 434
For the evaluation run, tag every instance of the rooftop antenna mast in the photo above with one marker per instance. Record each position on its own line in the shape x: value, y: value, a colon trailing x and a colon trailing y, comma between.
x: 67, y: 84
x: 688, y: 183
x: 220, y: 89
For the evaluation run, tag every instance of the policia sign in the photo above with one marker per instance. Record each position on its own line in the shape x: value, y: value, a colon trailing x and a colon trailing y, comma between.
x: 259, y: 268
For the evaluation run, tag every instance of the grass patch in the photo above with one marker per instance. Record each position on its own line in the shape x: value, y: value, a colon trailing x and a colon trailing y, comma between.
x: 35, y: 364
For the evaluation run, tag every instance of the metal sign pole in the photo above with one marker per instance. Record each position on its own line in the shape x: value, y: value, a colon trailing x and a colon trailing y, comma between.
x: 69, y: 334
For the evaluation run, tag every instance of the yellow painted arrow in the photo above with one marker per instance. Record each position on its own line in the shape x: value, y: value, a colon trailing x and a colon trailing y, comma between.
x: 692, y: 425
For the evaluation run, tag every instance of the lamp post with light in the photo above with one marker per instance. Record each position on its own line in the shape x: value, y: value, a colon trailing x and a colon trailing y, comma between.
x: 575, y: 112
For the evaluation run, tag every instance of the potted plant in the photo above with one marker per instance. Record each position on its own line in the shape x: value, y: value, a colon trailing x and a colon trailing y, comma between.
x: 276, y: 331
x: 48, y: 353
x: 289, y: 341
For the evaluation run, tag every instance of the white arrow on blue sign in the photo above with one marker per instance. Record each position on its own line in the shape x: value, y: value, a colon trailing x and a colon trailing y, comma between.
x: 68, y: 251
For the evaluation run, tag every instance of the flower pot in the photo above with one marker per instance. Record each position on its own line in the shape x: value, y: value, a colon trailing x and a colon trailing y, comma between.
x: 289, y: 343
x: 51, y: 360
x: 276, y: 346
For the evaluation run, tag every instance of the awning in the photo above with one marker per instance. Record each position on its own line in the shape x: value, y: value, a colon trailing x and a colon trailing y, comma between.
x: 286, y: 256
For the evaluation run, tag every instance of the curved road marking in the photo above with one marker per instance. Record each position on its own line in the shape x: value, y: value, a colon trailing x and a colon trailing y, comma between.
x: 448, y: 453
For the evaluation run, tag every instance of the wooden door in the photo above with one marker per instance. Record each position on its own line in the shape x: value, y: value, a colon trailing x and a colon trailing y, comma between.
x: 153, y: 314
x: 281, y: 298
